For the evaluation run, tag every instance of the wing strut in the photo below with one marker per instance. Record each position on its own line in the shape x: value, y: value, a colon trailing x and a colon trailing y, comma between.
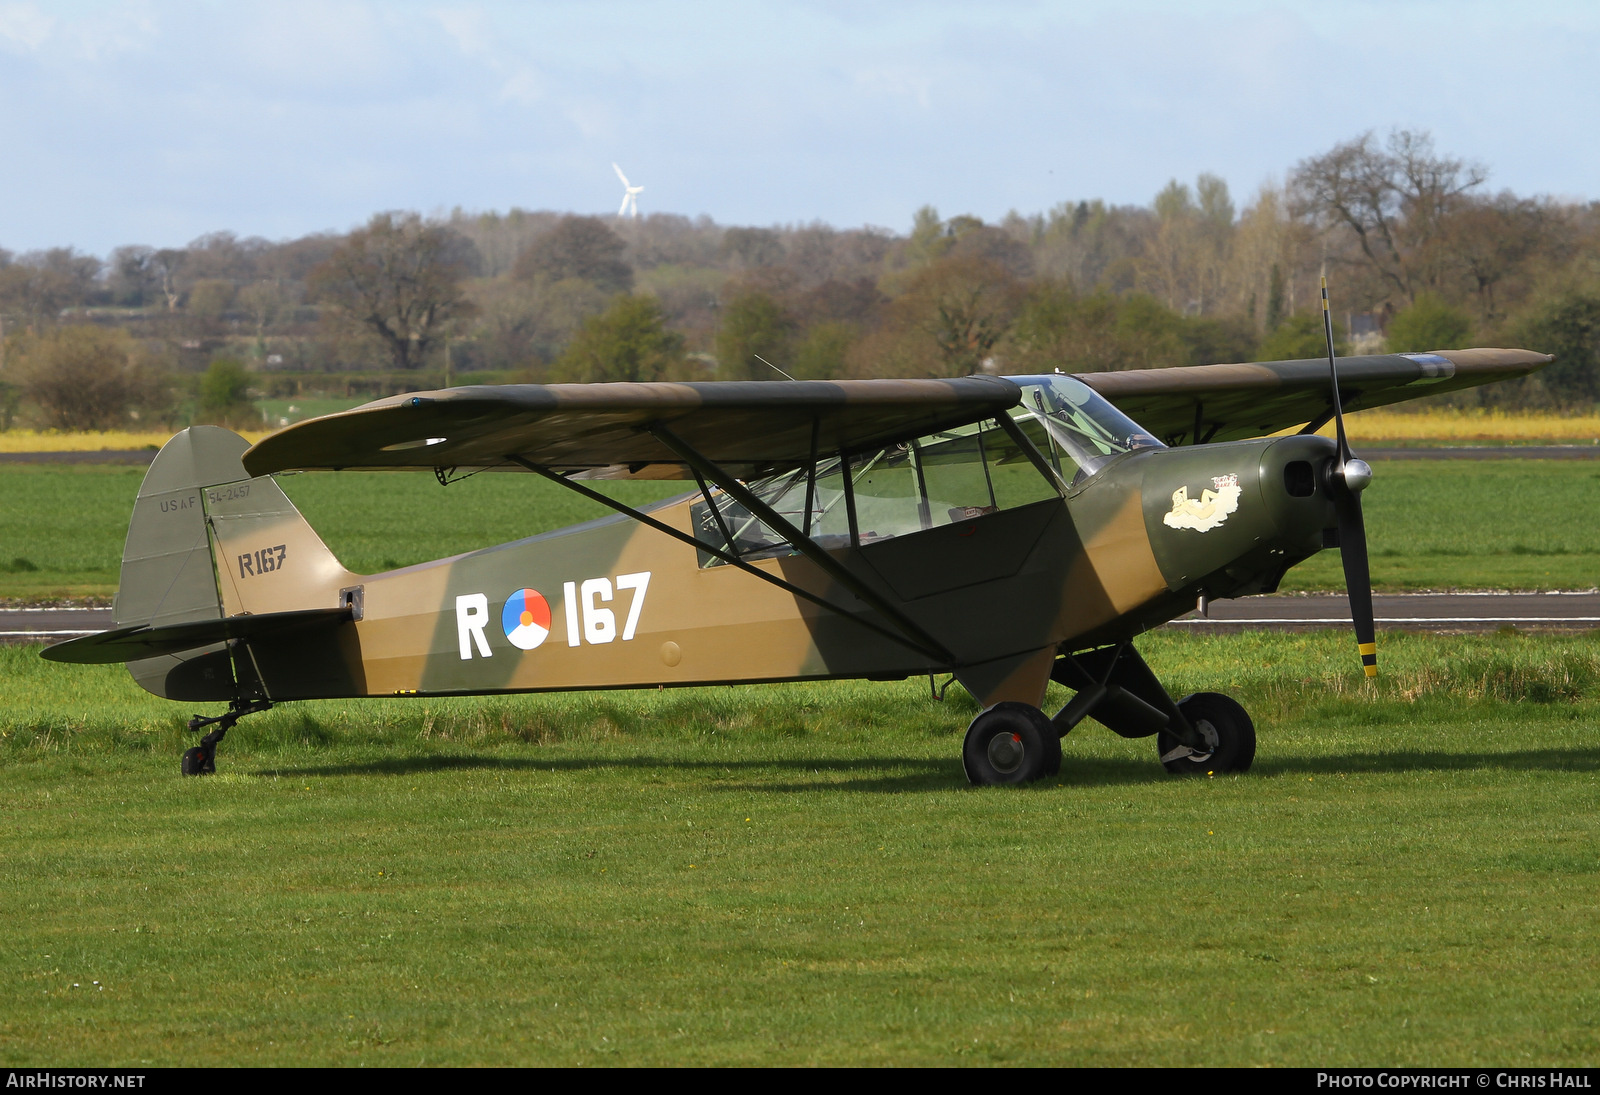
x: 1032, y: 452
x: 725, y: 556
x: 922, y: 641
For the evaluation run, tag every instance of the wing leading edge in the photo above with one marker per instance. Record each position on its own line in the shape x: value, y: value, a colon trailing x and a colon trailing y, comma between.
x: 757, y: 428
x: 751, y: 428
x: 1231, y: 402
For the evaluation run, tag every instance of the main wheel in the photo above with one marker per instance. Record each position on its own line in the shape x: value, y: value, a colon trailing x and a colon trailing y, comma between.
x: 1011, y: 743
x: 1227, y: 729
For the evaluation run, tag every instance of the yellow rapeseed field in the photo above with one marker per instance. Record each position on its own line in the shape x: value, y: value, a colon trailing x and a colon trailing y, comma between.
x: 62, y: 441
x: 1467, y: 426
x: 1439, y: 424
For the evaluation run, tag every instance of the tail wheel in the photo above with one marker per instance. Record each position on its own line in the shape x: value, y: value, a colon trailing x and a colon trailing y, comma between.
x: 1227, y: 729
x: 1011, y: 743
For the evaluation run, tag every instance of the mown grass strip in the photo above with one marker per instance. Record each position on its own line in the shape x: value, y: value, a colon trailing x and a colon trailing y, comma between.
x: 797, y: 874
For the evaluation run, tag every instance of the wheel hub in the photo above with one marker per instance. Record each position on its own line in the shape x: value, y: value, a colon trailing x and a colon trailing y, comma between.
x: 1208, y: 732
x: 1005, y: 752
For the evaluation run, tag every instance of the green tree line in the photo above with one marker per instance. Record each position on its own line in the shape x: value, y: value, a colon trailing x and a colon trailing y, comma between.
x: 1421, y: 253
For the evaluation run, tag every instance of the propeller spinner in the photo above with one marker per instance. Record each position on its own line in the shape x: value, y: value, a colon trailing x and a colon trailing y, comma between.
x: 1347, y: 477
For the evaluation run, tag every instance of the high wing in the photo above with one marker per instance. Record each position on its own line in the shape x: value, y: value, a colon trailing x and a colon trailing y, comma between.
x: 749, y: 428
x: 1200, y: 403
x: 756, y: 428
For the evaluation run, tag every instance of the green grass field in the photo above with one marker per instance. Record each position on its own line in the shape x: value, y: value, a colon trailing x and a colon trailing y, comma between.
x: 1491, y: 524
x: 62, y: 526
x: 798, y: 874
x: 281, y: 412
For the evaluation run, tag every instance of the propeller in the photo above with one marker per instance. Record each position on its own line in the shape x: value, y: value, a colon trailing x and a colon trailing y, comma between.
x: 1347, y: 477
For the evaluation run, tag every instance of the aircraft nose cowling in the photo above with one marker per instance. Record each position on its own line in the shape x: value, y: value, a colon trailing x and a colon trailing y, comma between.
x: 1206, y: 510
x: 1295, y: 492
x: 1229, y: 519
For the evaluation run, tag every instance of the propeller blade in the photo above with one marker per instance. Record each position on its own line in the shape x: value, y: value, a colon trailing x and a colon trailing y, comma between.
x: 1333, y: 376
x: 1357, y: 573
x: 620, y: 175
x: 1347, y: 478
x: 624, y: 209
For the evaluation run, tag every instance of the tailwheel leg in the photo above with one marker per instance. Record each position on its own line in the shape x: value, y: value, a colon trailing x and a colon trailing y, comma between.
x: 201, y: 760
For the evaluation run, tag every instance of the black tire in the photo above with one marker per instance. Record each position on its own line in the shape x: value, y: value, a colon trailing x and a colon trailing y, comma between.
x: 1224, y: 724
x: 1011, y: 743
x: 196, y: 762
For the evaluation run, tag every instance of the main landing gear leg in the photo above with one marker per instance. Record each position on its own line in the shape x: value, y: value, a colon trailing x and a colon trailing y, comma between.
x: 202, y: 759
x: 1203, y: 733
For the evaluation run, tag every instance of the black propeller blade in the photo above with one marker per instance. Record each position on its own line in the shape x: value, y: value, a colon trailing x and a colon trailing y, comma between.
x: 1347, y: 477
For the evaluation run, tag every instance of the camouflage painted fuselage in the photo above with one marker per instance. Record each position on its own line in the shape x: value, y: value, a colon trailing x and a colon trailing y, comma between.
x: 616, y: 604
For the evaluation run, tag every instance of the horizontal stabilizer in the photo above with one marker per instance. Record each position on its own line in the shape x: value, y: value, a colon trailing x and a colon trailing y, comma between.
x: 130, y: 644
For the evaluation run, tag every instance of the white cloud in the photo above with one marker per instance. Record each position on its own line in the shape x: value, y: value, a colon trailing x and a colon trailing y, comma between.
x: 523, y: 87
x: 24, y: 25
x: 469, y: 27
x: 129, y: 28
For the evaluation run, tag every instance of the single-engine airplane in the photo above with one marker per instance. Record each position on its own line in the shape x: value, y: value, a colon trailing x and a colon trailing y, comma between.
x: 1009, y: 531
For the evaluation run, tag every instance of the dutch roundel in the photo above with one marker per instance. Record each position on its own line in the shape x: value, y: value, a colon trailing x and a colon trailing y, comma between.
x: 526, y: 619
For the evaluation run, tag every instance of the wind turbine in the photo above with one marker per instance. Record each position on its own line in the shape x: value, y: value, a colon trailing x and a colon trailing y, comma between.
x: 630, y: 194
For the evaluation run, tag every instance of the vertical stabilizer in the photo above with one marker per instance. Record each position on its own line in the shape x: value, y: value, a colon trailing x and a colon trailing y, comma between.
x: 167, y: 575
x: 207, y: 541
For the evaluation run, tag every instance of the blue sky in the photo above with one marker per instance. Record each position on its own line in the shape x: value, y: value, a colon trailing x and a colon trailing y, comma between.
x: 129, y: 122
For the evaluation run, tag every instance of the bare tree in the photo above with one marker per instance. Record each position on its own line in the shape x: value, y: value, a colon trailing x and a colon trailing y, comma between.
x: 87, y: 378
x: 1393, y: 199
x: 263, y: 301
x: 167, y: 266
x: 1093, y: 244
x: 131, y: 278
x: 948, y: 321
x: 577, y: 247
x: 1271, y: 250
x: 750, y: 248
x: 40, y: 284
x: 399, y: 278
x: 1492, y: 239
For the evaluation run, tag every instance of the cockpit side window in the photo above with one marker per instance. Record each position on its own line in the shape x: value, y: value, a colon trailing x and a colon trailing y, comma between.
x: 944, y: 478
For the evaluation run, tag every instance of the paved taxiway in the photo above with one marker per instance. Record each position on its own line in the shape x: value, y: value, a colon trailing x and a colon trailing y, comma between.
x: 1404, y: 612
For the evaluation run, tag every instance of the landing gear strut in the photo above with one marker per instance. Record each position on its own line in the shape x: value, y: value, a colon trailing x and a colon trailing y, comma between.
x: 1229, y: 735
x: 1203, y: 733
x: 202, y: 759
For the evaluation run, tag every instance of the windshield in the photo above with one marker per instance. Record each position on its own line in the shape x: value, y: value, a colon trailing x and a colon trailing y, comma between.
x: 1081, y: 421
